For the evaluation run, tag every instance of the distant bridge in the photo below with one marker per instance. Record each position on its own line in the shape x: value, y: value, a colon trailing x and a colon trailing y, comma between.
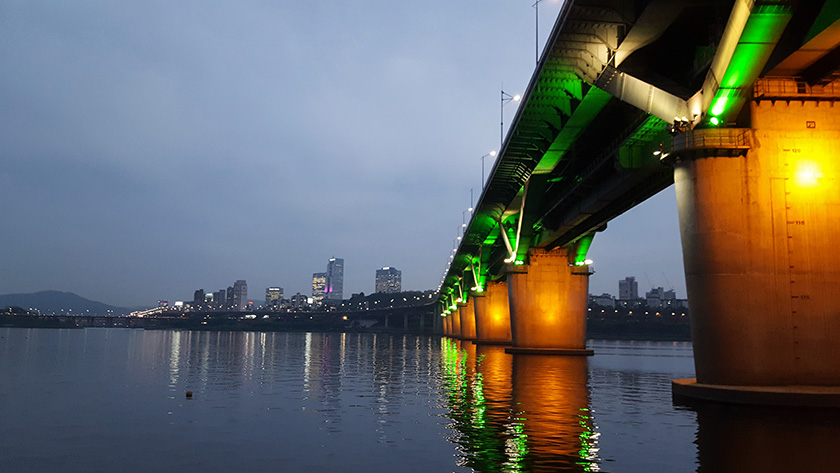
x: 409, y: 318
x: 736, y: 102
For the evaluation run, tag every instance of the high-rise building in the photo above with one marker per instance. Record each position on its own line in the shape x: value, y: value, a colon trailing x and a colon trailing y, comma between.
x: 198, y: 298
x: 273, y: 297
x: 299, y: 301
x: 239, y: 301
x: 219, y: 299
x: 334, y: 290
x: 319, y: 286
x: 388, y: 280
x: 628, y: 288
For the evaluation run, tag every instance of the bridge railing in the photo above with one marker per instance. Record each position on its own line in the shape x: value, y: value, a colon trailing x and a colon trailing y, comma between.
x: 710, y: 139
x: 789, y: 87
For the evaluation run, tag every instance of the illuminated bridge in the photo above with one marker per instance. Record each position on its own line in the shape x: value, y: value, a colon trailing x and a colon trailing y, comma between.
x: 736, y: 102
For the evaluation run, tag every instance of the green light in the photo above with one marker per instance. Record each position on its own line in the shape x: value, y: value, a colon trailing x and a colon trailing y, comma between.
x: 581, y: 247
x: 757, y: 41
x: 719, y: 106
x: 519, y: 263
x: 714, y: 121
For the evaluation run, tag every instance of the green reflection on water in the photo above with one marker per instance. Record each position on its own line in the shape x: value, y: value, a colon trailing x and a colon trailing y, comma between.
x: 493, y: 431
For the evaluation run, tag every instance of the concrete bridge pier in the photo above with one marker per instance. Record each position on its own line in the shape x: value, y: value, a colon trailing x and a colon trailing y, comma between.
x: 466, y: 312
x: 447, y: 325
x: 456, y: 324
x: 492, y: 315
x: 760, y: 237
x: 548, y: 304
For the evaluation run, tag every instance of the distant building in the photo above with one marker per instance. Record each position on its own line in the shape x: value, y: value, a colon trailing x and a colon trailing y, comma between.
x: 604, y: 300
x: 319, y: 286
x: 334, y: 290
x: 273, y: 297
x: 219, y: 299
x: 239, y: 301
x: 659, y: 297
x: 654, y: 297
x: 388, y: 280
x: 628, y: 288
x: 198, y: 298
x: 629, y: 303
x: 299, y: 301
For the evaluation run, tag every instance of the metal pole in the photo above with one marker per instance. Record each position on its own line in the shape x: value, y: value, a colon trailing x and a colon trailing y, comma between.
x: 502, y: 119
x: 537, y: 29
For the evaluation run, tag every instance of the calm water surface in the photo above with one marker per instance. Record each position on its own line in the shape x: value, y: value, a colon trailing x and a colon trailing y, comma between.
x: 115, y: 400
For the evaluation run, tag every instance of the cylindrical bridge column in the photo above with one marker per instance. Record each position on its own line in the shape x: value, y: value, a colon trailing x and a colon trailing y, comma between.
x: 548, y: 304
x: 466, y: 312
x: 492, y: 314
x: 760, y: 237
x: 456, y: 324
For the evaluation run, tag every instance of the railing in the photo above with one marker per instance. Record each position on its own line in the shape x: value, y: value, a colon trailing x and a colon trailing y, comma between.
x: 711, y: 138
x: 788, y: 87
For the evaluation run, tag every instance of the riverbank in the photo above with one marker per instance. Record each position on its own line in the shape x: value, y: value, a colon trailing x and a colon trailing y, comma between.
x: 596, y: 330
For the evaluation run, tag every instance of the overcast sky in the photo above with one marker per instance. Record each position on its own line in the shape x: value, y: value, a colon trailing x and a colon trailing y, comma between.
x: 148, y: 149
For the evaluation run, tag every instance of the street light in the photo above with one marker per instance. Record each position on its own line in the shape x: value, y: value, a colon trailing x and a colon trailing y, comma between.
x: 536, y: 6
x: 492, y: 154
x: 506, y: 97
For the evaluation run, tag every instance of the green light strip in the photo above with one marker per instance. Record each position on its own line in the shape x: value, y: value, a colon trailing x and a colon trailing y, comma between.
x: 758, y: 40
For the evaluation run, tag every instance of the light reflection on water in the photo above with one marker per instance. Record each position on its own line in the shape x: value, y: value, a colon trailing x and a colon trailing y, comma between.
x: 519, y: 413
x: 114, y: 400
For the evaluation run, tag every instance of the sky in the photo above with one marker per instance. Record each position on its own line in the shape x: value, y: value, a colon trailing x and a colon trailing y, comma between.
x: 149, y: 149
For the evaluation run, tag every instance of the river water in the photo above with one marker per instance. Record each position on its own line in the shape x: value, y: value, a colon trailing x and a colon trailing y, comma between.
x: 116, y: 400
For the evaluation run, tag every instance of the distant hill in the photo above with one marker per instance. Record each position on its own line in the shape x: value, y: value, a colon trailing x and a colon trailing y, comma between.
x: 52, y: 302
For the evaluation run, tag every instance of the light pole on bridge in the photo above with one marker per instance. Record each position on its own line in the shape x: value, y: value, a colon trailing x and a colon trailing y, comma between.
x: 492, y: 154
x: 536, y: 6
x: 506, y: 97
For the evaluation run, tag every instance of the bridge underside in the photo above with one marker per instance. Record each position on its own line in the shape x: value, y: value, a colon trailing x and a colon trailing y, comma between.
x: 627, y: 92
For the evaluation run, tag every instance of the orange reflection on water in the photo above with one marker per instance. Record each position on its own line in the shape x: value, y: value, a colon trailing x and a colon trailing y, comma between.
x: 551, y: 400
x: 519, y: 412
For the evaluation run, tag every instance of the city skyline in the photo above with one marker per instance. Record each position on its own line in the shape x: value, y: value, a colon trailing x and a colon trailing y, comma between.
x: 139, y: 164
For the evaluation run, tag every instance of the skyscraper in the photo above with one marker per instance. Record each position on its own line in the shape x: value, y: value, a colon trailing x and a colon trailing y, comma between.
x: 335, y: 280
x: 240, y: 295
x: 628, y: 288
x: 388, y: 280
x: 319, y: 285
x: 273, y: 297
x: 219, y: 299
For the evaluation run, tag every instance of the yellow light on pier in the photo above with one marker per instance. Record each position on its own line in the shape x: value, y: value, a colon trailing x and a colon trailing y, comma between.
x: 807, y: 174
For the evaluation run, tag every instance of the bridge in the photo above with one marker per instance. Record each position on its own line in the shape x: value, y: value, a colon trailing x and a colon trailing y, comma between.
x: 734, y: 102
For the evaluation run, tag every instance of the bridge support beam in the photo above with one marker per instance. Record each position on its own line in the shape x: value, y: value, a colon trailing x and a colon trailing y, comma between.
x: 759, y: 235
x: 492, y: 315
x: 548, y: 304
x: 447, y: 325
x: 466, y: 311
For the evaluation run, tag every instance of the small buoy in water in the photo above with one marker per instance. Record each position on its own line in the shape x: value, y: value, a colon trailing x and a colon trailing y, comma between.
x: 189, y: 394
